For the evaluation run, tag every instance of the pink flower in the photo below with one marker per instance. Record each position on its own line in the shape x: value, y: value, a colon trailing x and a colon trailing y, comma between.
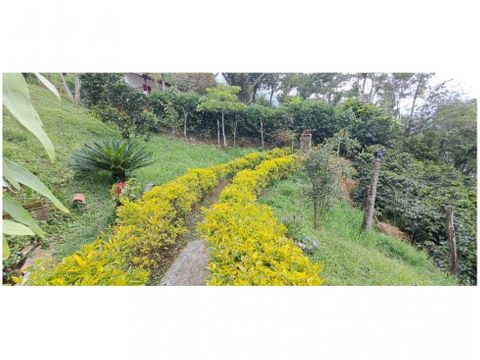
x: 120, y: 187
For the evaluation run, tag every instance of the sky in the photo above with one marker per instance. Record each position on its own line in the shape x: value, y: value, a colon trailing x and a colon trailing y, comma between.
x: 460, y: 82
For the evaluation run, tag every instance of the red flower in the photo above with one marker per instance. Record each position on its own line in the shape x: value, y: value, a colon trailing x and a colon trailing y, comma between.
x: 120, y: 187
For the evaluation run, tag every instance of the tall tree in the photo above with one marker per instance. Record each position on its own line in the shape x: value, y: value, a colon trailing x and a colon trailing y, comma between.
x: 272, y: 82
x: 248, y: 83
x: 185, y: 82
x: 223, y: 100
x: 421, y: 82
x: 319, y: 85
x: 392, y: 90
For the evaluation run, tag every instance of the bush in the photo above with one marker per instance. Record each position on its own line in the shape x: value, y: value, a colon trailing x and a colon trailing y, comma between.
x: 322, y: 170
x: 145, y: 232
x: 95, y: 87
x: 139, y: 124
x: 248, y: 244
x: 116, y: 156
x: 114, y: 101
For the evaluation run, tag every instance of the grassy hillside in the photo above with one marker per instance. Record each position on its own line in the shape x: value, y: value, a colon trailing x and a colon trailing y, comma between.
x: 349, y: 256
x: 69, y: 127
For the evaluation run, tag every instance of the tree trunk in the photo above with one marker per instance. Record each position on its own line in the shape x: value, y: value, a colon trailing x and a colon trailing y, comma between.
x: 67, y: 89
x: 78, y: 85
x: 372, y: 194
x: 315, y: 215
x: 218, y: 132
x: 451, y: 241
x: 271, y: 95
x: 372, y: 89
x: 223, y: 130
x: 363, y: 86
x: 412, y: 110
x: 261, y: 134
x: 235, y: 125
x: 185, y: 116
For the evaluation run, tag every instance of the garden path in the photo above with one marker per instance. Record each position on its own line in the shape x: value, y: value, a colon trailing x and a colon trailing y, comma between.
x: 190, y: 266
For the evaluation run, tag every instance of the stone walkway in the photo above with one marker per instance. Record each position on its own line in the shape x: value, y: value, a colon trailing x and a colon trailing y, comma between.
x: 190, y: 267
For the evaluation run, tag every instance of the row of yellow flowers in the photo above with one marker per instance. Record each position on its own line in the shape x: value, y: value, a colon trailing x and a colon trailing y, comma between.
x: 146, y: 229
x: 248, y: 246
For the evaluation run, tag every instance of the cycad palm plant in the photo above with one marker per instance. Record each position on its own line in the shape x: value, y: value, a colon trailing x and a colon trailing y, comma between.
x: 115, y: 156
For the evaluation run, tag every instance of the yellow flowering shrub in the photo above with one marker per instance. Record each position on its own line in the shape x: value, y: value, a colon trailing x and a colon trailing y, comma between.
x: 99, y: 263
x: 248, y: 244
x: 146, y: 229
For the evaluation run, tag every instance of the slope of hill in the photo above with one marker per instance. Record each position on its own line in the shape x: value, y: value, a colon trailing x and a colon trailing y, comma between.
x: 69, y: 126
x: 349, y: 256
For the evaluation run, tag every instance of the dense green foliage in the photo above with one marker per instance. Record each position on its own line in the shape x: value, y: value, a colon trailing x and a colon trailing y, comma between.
x: 96, y: 87
x: 117, y: 103
x: 116, y: 156
x: 413, y: 195
x: 449, y: 136
x: 171, y: 106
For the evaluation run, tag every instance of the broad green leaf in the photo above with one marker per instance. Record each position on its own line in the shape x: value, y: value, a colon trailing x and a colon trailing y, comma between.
x: 48, y: 84
x: 16, y: 173
x: 9, y: 177
x: 5, y: 249
x: 16, y: 99
x: 14, y: 228
x: 18, y: 213
x: 5, y: 184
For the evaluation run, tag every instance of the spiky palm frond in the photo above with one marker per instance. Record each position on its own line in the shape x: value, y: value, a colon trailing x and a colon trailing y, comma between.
x: 116, y: 156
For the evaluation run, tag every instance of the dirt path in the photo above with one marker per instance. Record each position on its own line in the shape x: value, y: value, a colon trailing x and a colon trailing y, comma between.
x: 190, y: 266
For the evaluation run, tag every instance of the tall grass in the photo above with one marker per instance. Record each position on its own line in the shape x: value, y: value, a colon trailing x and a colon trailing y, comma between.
x: 352, y: 257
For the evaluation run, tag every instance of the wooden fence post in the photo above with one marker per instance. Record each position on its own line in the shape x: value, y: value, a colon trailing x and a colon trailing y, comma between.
x: 372, y: 194
x: 452, y: 244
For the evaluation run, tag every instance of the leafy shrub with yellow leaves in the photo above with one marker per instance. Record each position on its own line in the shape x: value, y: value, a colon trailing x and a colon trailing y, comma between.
x: 146, y: 229
x: 248, y: 244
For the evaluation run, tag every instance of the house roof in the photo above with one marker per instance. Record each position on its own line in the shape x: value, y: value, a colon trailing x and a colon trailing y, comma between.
x: 146, y: 76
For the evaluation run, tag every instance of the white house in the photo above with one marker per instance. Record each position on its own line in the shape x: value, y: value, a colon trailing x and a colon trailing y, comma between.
x: 144, y: 82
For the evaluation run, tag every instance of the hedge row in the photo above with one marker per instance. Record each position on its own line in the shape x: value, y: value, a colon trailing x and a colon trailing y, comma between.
x: 145, y: 230
x: 248, y: 245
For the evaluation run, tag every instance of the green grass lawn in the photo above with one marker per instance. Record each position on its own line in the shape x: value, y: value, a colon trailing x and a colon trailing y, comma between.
x: 173, y: 157
x: 70, y: 126
x: 351, y: 257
